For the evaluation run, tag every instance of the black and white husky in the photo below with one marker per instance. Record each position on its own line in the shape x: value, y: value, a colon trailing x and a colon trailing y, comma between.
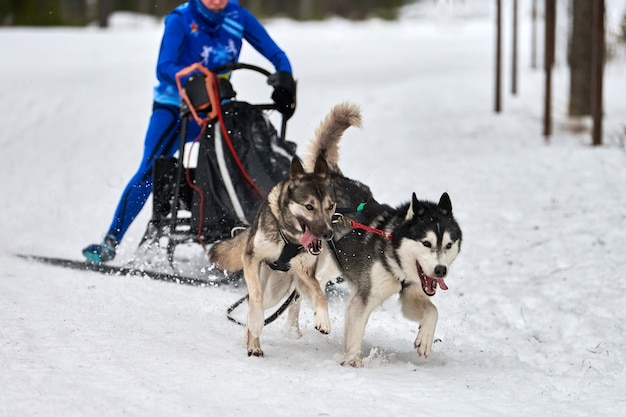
x: 382, y: 251
x: 406, y: 250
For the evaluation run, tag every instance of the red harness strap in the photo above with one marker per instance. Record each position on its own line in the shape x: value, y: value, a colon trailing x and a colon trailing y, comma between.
x: 356, y: 225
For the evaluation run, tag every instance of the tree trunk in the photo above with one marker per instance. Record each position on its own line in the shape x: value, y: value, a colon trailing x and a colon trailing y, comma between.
x: 579, y: 57
x: 104, y: 10
x: 74, y: 12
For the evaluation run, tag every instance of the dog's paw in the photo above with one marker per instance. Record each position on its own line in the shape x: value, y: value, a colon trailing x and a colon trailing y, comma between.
x: 255, y: 352
x: 354, y: 361
x: 322, y: 330
x: 424, y: 342
x: 254, y: 346
x: 322, y: 322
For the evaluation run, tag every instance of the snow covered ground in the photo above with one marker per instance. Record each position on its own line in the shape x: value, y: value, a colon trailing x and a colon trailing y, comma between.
x: 533, y: 322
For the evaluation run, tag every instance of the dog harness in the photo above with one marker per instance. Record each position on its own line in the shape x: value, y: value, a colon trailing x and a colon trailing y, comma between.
x: 290, y: 251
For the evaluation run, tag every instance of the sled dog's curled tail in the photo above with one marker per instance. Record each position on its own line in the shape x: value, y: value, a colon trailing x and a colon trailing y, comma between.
x: 325, y: 143
x: 227, y: 254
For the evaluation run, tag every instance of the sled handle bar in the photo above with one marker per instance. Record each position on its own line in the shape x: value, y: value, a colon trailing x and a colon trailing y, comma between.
x: 211, y: 87
x: 239, y: 65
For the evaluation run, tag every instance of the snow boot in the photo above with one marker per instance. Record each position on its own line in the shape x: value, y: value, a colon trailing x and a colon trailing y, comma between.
x: 103, y: 252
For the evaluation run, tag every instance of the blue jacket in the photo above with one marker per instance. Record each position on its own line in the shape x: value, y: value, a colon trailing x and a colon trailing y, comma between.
x: 195, y: 34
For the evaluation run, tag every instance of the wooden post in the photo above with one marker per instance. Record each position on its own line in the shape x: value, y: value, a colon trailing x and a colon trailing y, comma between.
x: 498, y: 88
x: 550, y: 37
x: 597, y: 71
x: 514, y: 55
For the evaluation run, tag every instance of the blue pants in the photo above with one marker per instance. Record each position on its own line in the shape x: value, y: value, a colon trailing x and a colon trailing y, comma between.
x: 162, y: 139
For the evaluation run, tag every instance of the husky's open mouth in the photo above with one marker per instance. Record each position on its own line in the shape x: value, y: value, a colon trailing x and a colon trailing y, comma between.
x: 311, y: 242
x: 429, y: 285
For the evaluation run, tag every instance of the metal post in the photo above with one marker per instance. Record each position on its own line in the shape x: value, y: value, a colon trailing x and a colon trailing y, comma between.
x: 597, y: 71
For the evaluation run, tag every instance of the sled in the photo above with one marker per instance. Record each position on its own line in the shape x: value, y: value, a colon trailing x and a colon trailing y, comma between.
x: 240, y: 157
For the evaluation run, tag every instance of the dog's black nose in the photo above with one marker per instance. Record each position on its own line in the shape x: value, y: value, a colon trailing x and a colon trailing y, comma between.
x: 327, y: 234
x: 441, y: 271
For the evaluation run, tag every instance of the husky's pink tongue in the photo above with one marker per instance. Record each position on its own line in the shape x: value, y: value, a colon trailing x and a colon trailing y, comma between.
x: 442, y: 283
x: 307, y: 238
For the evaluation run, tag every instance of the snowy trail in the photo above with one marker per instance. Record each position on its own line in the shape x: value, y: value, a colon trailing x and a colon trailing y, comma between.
x: 533, y: 321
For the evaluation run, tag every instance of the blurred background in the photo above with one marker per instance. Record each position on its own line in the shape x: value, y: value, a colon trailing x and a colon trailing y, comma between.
x: 581, y: 40
x: 82, y: 12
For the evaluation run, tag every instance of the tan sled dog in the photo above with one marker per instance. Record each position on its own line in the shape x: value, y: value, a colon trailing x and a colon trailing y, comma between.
x: 284, y: 240
x: 297, y: 214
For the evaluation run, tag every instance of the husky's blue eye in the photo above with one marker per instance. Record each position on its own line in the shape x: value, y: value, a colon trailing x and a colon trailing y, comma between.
x: 427, y: 244
x: 309, y: 207
x: 332, y: 206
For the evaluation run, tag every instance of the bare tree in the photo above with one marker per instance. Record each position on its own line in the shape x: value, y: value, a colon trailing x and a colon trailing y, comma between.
x: 104, y: 10
x: 579, y: 58
x: 74, y: 12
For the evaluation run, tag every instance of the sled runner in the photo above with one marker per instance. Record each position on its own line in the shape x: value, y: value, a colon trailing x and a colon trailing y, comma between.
x: 213, y: 279
x: 240, y: 158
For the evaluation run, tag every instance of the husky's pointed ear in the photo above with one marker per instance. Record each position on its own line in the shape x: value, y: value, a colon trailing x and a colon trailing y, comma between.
x: 445, y: 205
x: 297, y: 171
x: 321, y: 168
x: 415, y: 208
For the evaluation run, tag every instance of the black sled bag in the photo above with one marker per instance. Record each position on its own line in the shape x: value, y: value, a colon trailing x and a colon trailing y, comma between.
x: 226, y: 198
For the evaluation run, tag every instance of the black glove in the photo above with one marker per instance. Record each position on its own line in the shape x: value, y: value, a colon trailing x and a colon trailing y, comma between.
x: 225, y: 89
x: 284, y: 94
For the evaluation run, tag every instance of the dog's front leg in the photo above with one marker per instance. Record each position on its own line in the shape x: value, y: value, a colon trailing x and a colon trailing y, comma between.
x: 426, y: 334
x: 354, y: 330
x: 255, y: 321
x: 358, y: 313
x: 310, y: 288
x: 365, y: 300
x: 417, y: 307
